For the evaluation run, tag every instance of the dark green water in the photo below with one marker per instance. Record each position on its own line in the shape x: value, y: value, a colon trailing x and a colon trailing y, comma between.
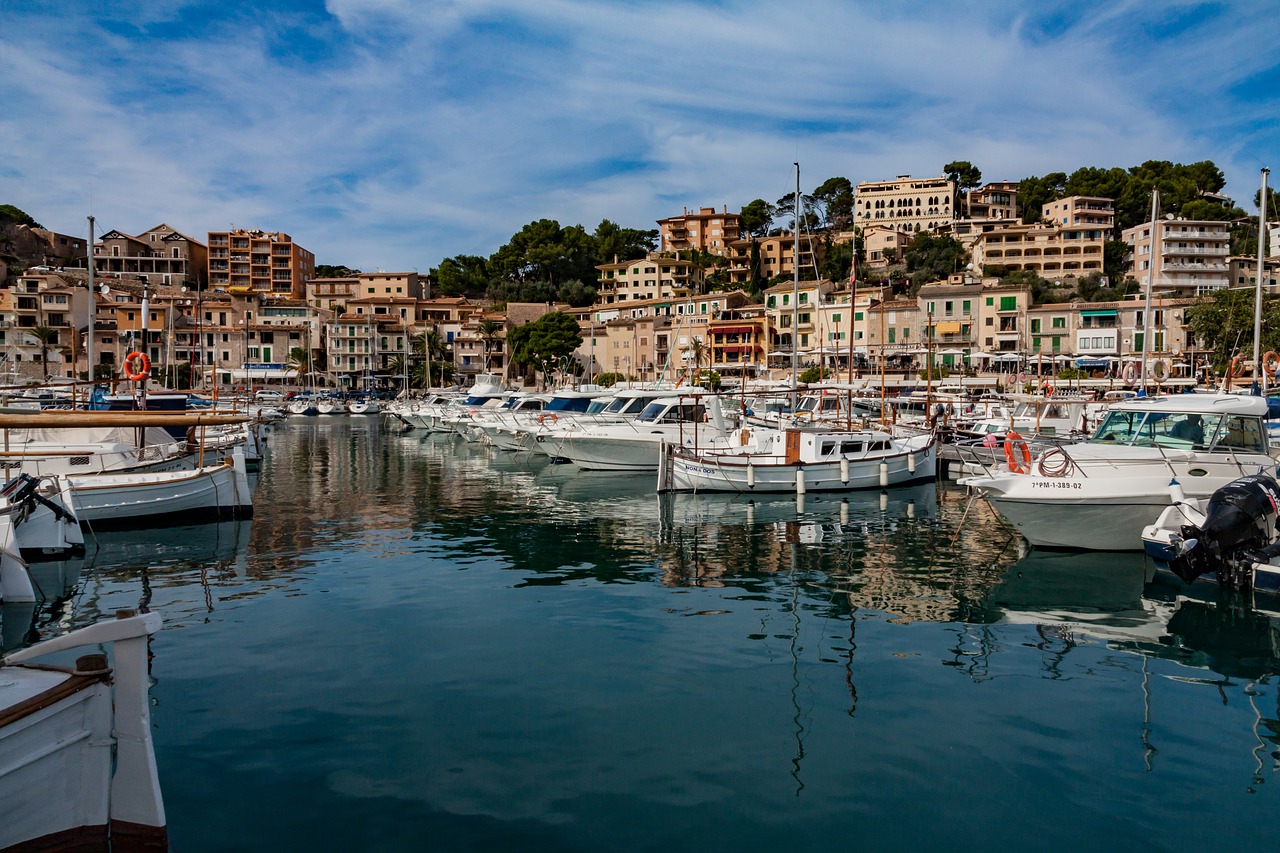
x: 420, y: 644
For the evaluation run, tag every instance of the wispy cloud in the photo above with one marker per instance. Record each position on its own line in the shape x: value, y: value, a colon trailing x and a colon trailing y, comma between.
x: 390, y: 133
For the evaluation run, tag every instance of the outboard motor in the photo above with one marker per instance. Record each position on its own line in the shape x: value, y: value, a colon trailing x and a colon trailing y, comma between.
x: 1239, y: 529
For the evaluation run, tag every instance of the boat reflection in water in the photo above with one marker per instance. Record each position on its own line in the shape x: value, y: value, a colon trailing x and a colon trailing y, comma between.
x: 1199, y: 634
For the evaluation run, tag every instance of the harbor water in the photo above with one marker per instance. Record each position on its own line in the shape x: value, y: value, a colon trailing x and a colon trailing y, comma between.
x: 419, y: 643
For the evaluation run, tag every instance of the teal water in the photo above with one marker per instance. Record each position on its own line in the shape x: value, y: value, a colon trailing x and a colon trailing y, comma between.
x: 422, y: 644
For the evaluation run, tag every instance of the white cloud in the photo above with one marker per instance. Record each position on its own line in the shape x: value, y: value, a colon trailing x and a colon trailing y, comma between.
x: 393, y: 134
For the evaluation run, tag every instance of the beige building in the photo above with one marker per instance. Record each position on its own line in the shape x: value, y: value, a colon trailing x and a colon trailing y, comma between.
x: 1189, y: 257
x: 654, y: 276
x: 906, y: 204
x: 1002, y: 320
x: 1243, y: 272
x: 777, y: 257
x: 996, y: 201
x: 883, y: 245
x: 893, y: 333
x: 159, y: 255
x: 267, y: 262
x: 704, y: 230
x: 1081, y: 211
x: 950, y: 318
x: 1053, y: 251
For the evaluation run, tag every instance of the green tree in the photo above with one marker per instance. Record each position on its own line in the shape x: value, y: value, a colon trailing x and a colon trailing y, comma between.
x: 623, y: 244
x: 965, y: 175
x: 9, y: 213
x: 335, y: 271
x: 1224, y: 322
x: 756, y: 218
x: 300, y: 360
x: 834, y: 197
x: 544, y: 343
x: 1034, y: 193
x: 1114, y: 253
x: 490, y: 330
x: 932, y: 257
x: 45, y: 336
x: 463, y: 275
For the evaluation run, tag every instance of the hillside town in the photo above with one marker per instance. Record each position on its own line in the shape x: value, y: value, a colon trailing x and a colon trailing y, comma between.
x: 242, y: 308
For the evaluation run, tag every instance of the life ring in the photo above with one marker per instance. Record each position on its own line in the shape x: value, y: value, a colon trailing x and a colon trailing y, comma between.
x: 1130, y: 372
x: 1022, y: 377
x: 142, y: 371
x: 1016, y: 453
x: 1160, y: 370
x: 1047, y: 389
x: 1271, y: 363
x: 551, y: 418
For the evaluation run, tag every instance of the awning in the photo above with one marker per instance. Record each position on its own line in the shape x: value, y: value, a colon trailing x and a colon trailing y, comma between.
x: 1099, y: 312
x: 734, y: 330
x: 949, y: 328
x: 950, y: 352
x: 1008, y: 356
x: 1092, y: 362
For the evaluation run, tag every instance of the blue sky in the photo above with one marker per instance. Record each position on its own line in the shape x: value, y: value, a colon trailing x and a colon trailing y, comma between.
x: 390, y: 134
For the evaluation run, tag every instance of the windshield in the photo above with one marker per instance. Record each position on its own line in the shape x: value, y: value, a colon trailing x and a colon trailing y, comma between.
x: 1182, y: 430
x: 570, y: 404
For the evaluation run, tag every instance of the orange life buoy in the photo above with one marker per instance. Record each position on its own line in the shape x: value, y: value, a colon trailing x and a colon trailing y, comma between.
x: 1047, y: 389
x: 1016, y: 453
x: 547, y: 418
x: 1271, y: 363
x: 142, y: 371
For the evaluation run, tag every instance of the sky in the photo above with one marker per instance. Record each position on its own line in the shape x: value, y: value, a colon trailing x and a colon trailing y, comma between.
x: 391, y: 134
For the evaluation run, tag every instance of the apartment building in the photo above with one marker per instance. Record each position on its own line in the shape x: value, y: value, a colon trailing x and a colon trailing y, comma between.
x: 950, y: 315
x: 1181, y: 256
x: 1053, y: 251
x: 159, y: 255
x: 738, y: 341
x: 244, y: 261
x: 397, y: 285
x: 705, y: 230
x: 1243, y: 272
x: 34, y: 302
x: 883, y: 245
x: 893, y: 333
x: 777, y: 257
x: 655, y: 276
x: 995, y: 201
x: 794, y: 316
x: 1002, y: 320
x: 906, y: 204
x: 1081, y: 211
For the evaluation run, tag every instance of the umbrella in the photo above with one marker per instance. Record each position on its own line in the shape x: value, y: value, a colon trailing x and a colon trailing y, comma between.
x: 1008, y: 356
x: 950, y: 352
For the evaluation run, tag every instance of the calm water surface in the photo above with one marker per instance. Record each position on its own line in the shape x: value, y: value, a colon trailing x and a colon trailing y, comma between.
x: 423, y: 644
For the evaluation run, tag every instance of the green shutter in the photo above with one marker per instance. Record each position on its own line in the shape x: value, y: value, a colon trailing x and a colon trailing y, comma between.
x: 1008, y: 303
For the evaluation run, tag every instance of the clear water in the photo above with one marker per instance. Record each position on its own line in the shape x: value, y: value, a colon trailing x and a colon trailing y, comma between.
x: 423, y: 644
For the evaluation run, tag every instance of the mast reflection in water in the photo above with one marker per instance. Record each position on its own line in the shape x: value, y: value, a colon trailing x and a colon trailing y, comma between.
x: 417, y: 640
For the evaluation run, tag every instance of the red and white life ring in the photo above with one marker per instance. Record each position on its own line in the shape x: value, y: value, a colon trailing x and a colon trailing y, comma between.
x: 137, y: 366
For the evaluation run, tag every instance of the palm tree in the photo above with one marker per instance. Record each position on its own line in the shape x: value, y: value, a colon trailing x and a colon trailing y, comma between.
x: 489, y: 329
x: 44, y: 335
x: 696, y: 349
x: 300, y: 360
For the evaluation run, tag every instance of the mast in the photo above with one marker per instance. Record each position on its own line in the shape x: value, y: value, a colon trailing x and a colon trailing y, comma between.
x: 1151, y: 272
x: 93, y: 306
x: 795, y: 296
x: 1260, y: 375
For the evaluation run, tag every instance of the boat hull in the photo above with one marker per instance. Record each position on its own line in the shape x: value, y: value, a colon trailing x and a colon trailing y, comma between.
x: 728, y: 473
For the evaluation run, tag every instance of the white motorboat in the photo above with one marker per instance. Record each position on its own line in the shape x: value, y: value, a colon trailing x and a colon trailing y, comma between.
x: 79, y: 768
x: 636, y: 445
x: 800, y: 459
x: 625, y: 404
x: 148, y: 498
x: 1099, y: 494
x: 36, y: 521
x: 1232, y: 538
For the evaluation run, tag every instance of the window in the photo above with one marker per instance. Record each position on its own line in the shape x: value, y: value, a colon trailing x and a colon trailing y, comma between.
x: 991, y: 300
x: 964, y: 306
x: 1008, y: 303
x: 1059, y: 322
x: 1035, y: 327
